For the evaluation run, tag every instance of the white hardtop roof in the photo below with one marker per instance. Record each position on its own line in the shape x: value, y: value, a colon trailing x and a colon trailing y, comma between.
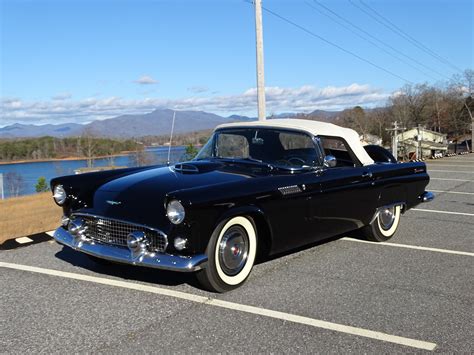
x: 316, y: 128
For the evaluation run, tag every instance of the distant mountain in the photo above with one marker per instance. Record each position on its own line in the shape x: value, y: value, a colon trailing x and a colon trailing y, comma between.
x: 20, y: 130
x: 154, y: 123
x: 241, y: 118
x: 325, y: 115
x: 157, y: 122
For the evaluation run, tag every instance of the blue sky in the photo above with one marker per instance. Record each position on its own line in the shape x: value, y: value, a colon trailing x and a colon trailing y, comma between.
x: 76, y: 61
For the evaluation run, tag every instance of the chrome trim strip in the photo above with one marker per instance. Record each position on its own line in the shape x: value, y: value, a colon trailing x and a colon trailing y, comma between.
x: 427, y: 196
x: 123, y: 255
x: 124, y: 221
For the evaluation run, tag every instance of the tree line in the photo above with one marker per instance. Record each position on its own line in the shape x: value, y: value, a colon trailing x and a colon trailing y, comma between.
x: 446, y: 107
x: 58, y: 148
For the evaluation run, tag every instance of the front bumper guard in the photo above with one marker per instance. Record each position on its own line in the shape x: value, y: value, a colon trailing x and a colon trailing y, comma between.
x: 427, y: 196
x: 123, y: 255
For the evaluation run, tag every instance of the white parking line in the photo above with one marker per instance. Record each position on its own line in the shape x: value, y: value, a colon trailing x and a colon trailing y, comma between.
x: 23, y: 240
x: 432, y: 178
x: 450, y: 171
x: 446, y: 251
x: 445, y: 212
x: 453, y: 165
x: 453, y: 192
x: 419, y: 344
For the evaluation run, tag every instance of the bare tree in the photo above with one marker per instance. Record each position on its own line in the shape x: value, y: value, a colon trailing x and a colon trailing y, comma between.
x: 88, y: 145
x: 141, y: 156
x: 15, y: 183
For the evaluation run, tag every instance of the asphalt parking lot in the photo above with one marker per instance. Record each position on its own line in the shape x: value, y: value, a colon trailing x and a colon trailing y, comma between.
x: 412, y: 294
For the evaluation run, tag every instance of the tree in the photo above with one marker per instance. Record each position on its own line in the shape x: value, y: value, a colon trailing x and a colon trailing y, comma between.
x: 15, y: 183
x: 88, y: 143
x: 190, y: 152
x: 41, y: 185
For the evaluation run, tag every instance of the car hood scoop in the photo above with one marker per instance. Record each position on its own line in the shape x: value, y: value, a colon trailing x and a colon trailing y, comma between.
x: 196, y: 167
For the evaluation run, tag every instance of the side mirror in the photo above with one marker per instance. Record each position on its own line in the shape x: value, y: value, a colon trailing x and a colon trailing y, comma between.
x: 330, y: 161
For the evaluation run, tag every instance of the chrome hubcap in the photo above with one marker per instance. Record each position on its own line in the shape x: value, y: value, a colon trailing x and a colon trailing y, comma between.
x: 233, y: 250
x: 387, y: 217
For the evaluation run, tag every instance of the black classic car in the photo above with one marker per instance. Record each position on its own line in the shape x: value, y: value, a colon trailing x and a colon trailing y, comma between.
x: 255, y: 189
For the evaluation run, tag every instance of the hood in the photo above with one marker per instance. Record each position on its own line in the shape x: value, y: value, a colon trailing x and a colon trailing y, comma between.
x: 140, y: 197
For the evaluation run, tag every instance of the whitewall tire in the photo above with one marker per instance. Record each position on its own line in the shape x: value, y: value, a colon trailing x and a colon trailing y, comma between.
x: 385, y: 225
x: 231, y: 255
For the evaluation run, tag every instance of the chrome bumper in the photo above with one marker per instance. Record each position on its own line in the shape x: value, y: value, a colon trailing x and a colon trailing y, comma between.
x: 427, y: 196
x: 125, y: 256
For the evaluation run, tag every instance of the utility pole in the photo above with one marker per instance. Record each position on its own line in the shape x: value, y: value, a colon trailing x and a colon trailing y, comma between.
x: 260, y: 69
x: 395, y: 131
x: 472, y: 128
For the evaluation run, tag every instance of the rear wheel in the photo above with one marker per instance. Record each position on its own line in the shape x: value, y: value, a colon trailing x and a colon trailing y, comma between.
x: 231, y: 255
x: 385, y: 225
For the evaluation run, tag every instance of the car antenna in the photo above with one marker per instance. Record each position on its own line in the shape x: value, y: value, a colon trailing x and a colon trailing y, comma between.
x: 171, y: 137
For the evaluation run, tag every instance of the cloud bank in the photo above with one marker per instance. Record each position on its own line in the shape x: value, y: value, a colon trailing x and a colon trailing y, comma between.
x: 303, y: 99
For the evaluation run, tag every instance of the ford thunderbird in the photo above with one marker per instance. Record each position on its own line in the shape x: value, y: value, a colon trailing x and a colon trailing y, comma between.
x: 255, y: 189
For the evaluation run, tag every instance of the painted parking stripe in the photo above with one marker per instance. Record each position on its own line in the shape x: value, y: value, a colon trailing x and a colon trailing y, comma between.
x: 450, y: 171
x: 418, y: 344
x: 50, y: 233
x: 466, y: 165
x: 407, y: 246
x: 452, y: 192
x: 445, y: 212
x: 23, y: 240
x: 432, y: 178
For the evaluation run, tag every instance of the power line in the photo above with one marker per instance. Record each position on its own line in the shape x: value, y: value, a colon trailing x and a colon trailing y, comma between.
x: 394, y: 28
x: 333, y: 44
x: 410, y: 38
x: 375, y: 38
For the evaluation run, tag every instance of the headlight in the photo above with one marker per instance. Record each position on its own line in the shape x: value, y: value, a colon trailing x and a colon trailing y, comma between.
x: 59, y: 194
x: 175, y: 212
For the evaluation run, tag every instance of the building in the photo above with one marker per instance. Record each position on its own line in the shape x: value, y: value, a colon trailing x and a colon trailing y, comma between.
x: 370, y: 139
x: 419, y: 143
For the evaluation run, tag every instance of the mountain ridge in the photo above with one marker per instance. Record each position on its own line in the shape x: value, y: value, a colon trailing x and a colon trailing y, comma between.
x: 155, y: 123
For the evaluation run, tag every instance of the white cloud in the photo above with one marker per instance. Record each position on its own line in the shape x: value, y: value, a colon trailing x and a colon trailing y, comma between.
x: 198, y: 89
x: 302, y: 99
x: 62, y: 96
x: 146, y: 80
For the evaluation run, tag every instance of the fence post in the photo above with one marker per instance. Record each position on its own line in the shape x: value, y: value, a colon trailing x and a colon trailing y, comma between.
x: 2, y: 194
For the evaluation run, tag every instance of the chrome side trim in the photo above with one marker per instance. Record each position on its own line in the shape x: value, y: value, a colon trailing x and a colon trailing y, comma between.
x: 427, y: 196
x: 123, y: 255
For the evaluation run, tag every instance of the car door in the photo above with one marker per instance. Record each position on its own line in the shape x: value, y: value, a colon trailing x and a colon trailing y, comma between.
x: 348, y: 195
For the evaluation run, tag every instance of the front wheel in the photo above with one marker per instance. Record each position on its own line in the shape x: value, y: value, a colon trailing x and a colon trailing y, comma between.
x: 231, y: 255
x: 385, y: 225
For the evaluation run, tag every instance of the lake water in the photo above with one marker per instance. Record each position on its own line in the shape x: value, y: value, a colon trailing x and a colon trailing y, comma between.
x: 30, y: 172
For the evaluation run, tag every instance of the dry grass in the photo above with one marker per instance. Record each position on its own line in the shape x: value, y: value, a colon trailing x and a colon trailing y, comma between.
x: 27, y: 215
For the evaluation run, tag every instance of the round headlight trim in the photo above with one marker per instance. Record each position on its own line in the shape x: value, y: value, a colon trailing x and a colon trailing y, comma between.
x: 59, y: 194
x: 175, y: 212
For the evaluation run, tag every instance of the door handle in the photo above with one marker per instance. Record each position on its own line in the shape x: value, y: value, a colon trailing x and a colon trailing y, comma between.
x: 367, y: 175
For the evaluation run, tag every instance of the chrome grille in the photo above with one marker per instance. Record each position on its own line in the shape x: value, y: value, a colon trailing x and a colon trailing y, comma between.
x: 111, y: 231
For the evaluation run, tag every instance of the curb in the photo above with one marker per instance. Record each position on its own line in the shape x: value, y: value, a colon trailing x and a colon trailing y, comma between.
x: 26, y: 241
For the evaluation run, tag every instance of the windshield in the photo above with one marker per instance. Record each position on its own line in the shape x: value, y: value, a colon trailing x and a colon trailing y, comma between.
x: 280, y: 148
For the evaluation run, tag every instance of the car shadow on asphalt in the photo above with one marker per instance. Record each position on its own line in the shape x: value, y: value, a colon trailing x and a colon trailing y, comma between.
x: 263, y: 259
x: 163, y: 277
x: 127, y: 272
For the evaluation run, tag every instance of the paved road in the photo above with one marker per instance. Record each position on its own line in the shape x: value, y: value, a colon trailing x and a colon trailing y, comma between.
x: 339, y: 296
